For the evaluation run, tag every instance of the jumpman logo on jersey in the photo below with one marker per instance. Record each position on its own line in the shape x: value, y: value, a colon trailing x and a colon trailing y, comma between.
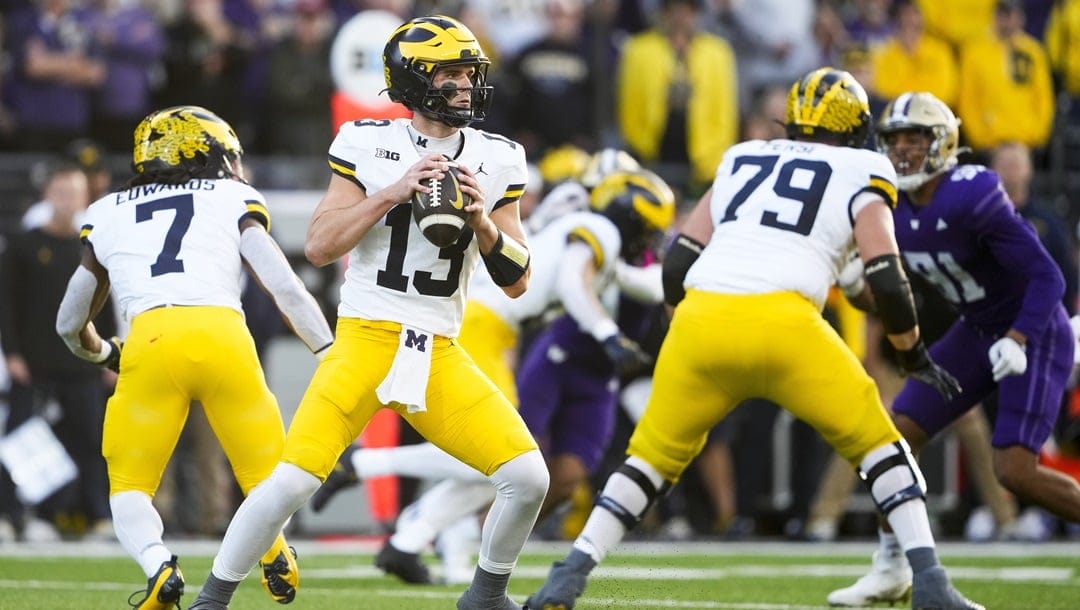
x: 480, y: 170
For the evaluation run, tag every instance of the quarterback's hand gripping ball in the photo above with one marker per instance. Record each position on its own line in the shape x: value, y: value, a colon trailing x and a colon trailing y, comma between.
x: 441, y: 213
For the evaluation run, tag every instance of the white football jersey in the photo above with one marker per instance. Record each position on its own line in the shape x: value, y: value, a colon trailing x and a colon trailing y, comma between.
x: 173, y: 245
x: 547, y: 247
x: 783, y: 215
x: 394, y: 272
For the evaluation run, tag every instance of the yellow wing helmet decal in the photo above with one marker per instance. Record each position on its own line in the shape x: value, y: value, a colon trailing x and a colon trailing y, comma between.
x: 829, y: 100
x: 176, y: 134
x: 438, y: 39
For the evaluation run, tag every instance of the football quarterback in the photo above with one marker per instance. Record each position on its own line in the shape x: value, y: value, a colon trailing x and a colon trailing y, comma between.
x: 402, y: 303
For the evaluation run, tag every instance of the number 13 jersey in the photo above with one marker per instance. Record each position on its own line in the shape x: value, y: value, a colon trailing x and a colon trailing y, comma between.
x: 395, y: 274
x: 783, y: 215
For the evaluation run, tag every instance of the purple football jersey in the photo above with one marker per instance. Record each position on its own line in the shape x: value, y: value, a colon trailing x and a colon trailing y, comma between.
x: 972, y: 244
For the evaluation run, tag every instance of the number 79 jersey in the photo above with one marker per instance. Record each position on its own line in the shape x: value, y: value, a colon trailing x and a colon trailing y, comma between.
x: 395, y: 274
x: 173, y: 244
x: 783, y: 215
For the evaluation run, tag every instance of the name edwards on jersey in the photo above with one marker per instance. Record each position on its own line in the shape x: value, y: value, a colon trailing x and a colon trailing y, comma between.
x: 145, y: 190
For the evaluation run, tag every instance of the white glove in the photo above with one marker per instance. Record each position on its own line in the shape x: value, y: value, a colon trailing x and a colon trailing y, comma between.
x: 1007, y: 358
x: 851, y: 279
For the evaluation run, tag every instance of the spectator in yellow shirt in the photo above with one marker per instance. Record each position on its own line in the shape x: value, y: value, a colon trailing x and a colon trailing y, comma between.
x: 1006, y: 91
x: 958, y: 22
x: 912, y: 60
x: 677, y: 96
x: 1063, y: 46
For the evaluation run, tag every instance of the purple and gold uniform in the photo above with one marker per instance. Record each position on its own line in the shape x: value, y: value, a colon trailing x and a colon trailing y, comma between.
x: 972, y: 244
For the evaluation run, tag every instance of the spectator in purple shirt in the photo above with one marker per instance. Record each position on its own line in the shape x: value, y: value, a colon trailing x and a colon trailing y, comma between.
x: 132, y: 45
x: 957, y: 229
x: 54, y: 73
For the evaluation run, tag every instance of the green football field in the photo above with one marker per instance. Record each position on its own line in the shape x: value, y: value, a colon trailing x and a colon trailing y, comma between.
x: 734, y: 576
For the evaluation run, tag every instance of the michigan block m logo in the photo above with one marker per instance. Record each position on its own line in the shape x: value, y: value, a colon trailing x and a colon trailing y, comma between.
x: 414, y: 340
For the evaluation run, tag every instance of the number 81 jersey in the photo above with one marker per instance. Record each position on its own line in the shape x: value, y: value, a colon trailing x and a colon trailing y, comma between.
x: 395, y: 274
x: 783, y: 215
x: 173, y: 244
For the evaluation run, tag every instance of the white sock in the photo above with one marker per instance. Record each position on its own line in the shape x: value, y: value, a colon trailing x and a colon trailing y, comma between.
x: 911, y: 525
x: 260, y: 519
x: 437, y: 509
x: 423, y: 461
x: 520, y: 485
x: 602, y: 530
x: 138, y: 528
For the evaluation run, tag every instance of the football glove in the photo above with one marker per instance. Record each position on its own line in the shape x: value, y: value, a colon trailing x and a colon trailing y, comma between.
x: 112, y: 361
x: 851, y: 280
x: 916, y: 363
x: 627, y: 355
x: 1007, y: 358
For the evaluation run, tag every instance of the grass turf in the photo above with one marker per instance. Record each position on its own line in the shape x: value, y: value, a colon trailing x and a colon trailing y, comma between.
x: 717, y: 576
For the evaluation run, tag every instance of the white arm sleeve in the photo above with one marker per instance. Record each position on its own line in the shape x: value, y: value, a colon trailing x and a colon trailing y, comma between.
x: 291, y: 297
x: 643, y: 284
x: 578, y: 299
x: 74, y: 313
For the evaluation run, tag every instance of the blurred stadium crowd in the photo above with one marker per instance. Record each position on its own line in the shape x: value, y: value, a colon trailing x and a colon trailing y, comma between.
x: 571, y: 77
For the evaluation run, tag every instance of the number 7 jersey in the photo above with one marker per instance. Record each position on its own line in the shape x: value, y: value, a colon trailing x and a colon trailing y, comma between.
x: 783, y: 215
x: 173, y: 244
x: 395, y: 274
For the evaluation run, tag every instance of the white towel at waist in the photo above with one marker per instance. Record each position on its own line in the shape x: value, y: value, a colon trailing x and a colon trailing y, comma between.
x: 408, y: 377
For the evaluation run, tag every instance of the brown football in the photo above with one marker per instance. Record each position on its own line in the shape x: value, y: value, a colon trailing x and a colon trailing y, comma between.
x: 441, y: 213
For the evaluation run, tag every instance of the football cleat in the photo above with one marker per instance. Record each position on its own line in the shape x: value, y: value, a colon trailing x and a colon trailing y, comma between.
x: 163, y: 589
x: 281, y: 577
x: 565, y: 583
x: 343, y: 475
x: 931, y: 590
x: 406, y: 566
x: 889, y: 580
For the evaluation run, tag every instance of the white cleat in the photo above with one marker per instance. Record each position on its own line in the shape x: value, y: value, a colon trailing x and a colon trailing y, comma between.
x: 889, y: 581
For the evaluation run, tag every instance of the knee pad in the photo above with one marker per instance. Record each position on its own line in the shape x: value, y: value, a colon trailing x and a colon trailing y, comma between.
x: 525, y: 476
x: 892, y: 476
x: 630, y: 492
x: 294, y: 483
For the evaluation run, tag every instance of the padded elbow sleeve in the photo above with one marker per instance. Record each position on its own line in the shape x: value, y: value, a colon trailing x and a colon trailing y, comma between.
x: 892, y: 293
x: 507, y: 261
x: 677, y: 262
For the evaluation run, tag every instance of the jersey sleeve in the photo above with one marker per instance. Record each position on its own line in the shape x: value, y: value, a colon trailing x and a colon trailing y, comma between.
x: 604, y: 241
x: 880, y: 184
x: 517, y: 177
x: 344, y: 151
x: 255, y: 207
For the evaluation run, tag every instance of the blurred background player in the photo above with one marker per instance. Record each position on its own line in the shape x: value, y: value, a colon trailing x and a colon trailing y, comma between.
x: 171, y: 246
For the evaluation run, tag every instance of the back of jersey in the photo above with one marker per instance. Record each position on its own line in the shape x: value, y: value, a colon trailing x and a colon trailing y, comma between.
x: 173, y: 245
x: 783, y: 215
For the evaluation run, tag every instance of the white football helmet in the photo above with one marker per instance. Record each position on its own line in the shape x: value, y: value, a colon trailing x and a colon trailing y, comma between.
x: 921, y: 111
